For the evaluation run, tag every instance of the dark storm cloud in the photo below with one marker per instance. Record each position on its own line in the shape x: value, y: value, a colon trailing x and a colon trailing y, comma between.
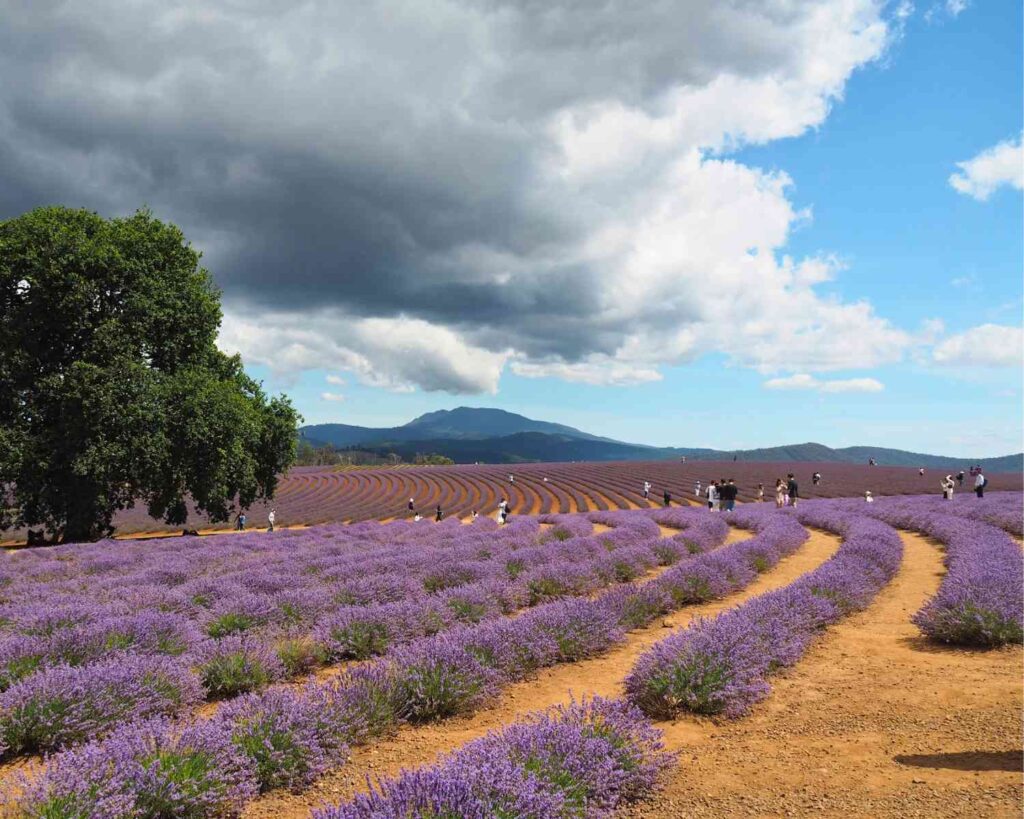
x: 377, y: 159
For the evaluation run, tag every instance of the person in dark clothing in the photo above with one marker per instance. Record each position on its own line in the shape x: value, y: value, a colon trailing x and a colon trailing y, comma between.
x: 794, y: 489
x: 960, y: 477
x: 438, y: 514
x: 728, y: 492
x: 667, y: 498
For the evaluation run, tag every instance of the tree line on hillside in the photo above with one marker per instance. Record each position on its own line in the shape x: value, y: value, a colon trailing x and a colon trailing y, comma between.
x: 310, y: 454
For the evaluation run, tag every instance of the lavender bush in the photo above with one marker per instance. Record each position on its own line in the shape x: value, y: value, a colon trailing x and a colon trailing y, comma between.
x: 721, y: 665
x: 583, y: 760
x: 64, y: 705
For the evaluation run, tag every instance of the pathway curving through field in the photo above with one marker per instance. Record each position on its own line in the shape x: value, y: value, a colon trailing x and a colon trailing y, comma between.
x: 602, y: 675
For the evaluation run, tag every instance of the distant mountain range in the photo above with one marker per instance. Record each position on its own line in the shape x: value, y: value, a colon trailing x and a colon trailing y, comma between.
x: 469, y: 434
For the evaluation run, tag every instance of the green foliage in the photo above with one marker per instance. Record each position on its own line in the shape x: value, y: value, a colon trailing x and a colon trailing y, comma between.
x: 114, y: 389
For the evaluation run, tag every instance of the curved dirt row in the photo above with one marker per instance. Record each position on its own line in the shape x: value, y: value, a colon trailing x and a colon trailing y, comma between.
x: 412, y: 747
x: 873, y: 722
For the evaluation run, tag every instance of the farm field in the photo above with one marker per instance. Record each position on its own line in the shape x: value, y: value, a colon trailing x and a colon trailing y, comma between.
x: 310, y: 495
x: 838, y: 658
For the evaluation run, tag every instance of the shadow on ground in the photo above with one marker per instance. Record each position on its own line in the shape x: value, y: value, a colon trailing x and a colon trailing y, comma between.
x: 967, y: 760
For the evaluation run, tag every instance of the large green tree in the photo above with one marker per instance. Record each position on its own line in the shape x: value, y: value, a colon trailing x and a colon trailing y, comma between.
x: 112, y: 389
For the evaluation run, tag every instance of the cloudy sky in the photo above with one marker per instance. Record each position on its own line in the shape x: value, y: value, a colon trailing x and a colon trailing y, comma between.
x: 699, y: 222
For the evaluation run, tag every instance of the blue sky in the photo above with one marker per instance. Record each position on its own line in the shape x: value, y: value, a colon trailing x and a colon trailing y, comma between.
x: 712, y: 223
x: 875, y: 175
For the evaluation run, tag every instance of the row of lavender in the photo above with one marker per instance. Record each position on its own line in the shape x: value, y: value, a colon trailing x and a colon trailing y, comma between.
x: 64, y: 704
x: 980, y: 602
x: 286, y: 737
x: 717, y: 666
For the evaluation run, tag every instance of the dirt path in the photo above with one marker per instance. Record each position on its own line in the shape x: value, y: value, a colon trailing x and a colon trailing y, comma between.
x: 603, y: 675
x: 873, y: 722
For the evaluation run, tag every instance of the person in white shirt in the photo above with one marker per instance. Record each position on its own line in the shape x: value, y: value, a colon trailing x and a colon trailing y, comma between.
x: 867, y: 496
x: 979, y: 484
x: 712, y: 496
x: 647, y: 489
x: 696, y: 489
x: 270, y: 520
x: 947, y: 485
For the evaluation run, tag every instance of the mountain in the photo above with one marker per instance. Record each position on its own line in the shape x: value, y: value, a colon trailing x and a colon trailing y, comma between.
x: 469, y: 434
x: 462, y: 423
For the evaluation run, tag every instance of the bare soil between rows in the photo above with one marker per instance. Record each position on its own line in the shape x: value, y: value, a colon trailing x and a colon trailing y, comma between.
x: 873, y: 722
x: 413, y: 747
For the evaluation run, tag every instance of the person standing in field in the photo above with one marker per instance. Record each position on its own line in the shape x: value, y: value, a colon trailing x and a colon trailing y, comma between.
x: 867, y: 496
x: 412, y: 507
x: 947, y: 485
x: 729, y: 492
x: 241, y: 522
x: 792, y: 489
x: 980, y: 481
x: 438, y: 514
x: 960, y: 478
x: 647, y: 489
x: 760, y: 493
x: 920, y: 472
x: 696, y: 489
x: 270, y: 520
x: 667, y: 498
x: 816, y: 478
x: 780, y: 493
x: 501, y: 510
x: 713, y: 496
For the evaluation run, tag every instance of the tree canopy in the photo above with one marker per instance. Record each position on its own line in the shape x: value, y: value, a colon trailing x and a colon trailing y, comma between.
x: 112, y: 389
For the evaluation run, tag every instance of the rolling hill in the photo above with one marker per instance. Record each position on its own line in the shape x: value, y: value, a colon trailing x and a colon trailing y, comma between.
x: 485, y: 435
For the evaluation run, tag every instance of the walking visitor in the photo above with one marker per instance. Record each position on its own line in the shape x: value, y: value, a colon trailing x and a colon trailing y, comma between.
x: 780, y: 493
x: 647, y: 489
x: 980, y: 482
x: 792, y: 489
x: 270, y: 520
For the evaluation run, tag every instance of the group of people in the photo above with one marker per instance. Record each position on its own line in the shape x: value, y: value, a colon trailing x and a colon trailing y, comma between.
x: 241, y: 520
x: 947, y: 484
x: 722, y: 494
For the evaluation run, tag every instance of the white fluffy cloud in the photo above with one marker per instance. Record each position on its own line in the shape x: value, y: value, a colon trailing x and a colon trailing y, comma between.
x: 332, y: 396
x: 426, y: 193
x: 980, y: 177
x: 803, y: 381
x: 394, y: 353
x: 989, y: 345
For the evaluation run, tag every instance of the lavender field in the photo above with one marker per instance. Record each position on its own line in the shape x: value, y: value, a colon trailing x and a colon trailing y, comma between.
x: 196, y: 677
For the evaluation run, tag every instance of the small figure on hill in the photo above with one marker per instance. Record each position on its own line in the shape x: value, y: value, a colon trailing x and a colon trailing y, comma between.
x: 792, y: 489
x: 511, y: 478
x: 545, y: 480
x: 816, y: 478
x: 960, y: 478
x: 682, y: 460
x: 760, y: 493
x: 270, y: 521
x: 734, y: 458
x: 647, y: 489
x: 947, y: 485
x: 667, y: 498
x: 412, y: 506
x: 980, y: 482
x: 867, y: 496
x: 780, y: 493
x: 696, y: 489
x: 438, y: 514
x: 920, y: 472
